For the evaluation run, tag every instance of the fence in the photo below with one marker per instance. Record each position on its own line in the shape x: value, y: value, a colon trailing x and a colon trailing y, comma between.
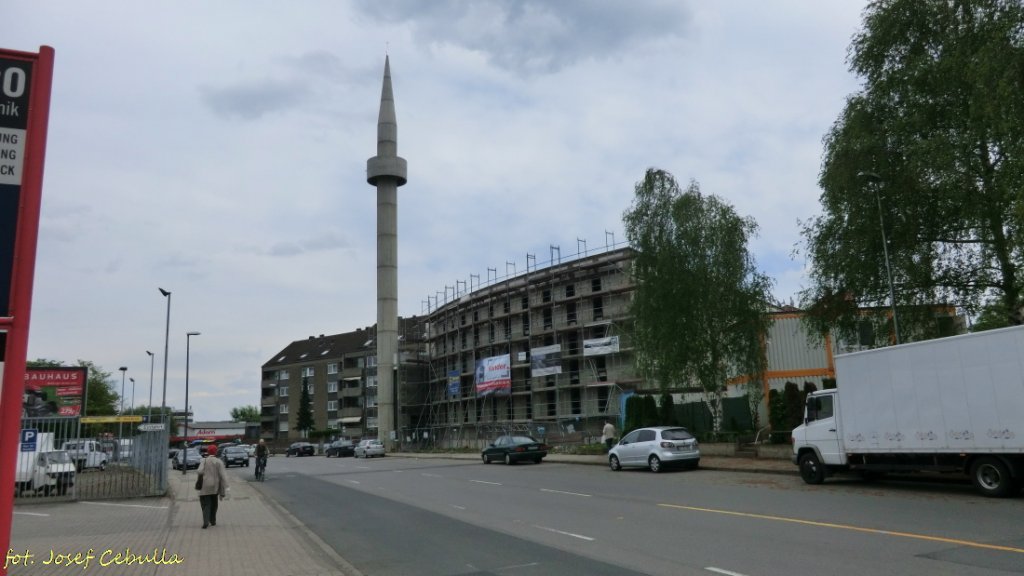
x: 66, y: 459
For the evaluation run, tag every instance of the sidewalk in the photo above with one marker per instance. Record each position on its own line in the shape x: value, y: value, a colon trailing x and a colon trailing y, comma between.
x: 253, y: 535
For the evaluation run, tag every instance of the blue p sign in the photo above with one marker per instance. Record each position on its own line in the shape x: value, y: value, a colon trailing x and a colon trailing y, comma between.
x: 28, y: 439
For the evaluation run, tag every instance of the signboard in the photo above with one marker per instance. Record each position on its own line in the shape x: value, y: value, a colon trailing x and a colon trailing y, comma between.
x: 150, y: 427
x: 110, y: 419
x: 15, y: 80
x: 29, y: 437
x: 453, y: 383
x: 494, y: 376
x: 546, y: 360
x: 601, y: 346
x: 53, y: 391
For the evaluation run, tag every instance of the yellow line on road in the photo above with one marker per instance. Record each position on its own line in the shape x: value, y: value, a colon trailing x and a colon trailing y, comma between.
x: 955, y: 541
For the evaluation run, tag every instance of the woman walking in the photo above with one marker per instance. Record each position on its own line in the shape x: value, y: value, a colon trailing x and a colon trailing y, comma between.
x: 215, y: 485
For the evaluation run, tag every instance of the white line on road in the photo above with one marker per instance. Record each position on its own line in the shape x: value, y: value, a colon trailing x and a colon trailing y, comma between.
x: 354, y: 481
x: 563, y: 492
x: 31, y: 514
x: 124, y: 505
x: 726, y: 572
x: 486, y: 482
x: 430, y: 475
x: 457, y: 507
x: 580, y: 536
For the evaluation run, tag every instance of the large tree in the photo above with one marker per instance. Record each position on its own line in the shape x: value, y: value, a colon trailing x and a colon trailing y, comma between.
x: 933, y: 145
x: 101, y: 398
x: 304, y: 422
x: 245, y: 414
x: 700, y: 306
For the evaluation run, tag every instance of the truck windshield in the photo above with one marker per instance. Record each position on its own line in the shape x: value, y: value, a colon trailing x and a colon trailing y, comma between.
x: 57, y: 457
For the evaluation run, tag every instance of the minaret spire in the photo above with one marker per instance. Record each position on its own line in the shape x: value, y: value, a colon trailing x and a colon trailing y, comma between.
x: 386, y: 171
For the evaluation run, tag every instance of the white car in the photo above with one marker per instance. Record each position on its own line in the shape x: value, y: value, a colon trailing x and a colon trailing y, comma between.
x: 369, y: 448
x: 655, y: 448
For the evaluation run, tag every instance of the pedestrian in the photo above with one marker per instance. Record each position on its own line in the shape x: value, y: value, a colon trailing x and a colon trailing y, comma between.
x: 214, y: 485
x: 608, y: 435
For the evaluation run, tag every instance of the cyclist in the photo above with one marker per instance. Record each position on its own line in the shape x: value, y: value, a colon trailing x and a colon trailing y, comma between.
x: 261, y: 458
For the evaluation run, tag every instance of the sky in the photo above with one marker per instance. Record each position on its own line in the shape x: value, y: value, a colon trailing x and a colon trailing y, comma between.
x: 218, y: 150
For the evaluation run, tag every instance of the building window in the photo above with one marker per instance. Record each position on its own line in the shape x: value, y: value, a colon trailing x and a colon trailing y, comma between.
x: 506, y: 306
x: 463, y: 318
x: 283, y: 409
x: 490, y: 311
x: 282, y: 391
x: 526, y: 324
x: 282, y: 426
x: 598, y: 308
x: 574, y: 400
x: 595, y: 285
x: 283, y: 374
x: 476, y: 315
x: 371, y: 361
x: 524, y: 303
x: 332, y: 405
x: 332, y: 368
x: 490, y: 330
x: 545, y: 296
x: 570, y: 313
x: 547, y: 318
x: 332, y: 387
x: 570, y: 290
x: 307, y: 372
x: 508, y: 328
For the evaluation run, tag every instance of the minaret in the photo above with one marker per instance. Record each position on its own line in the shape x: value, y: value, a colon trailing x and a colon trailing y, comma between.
x: 387, y: 172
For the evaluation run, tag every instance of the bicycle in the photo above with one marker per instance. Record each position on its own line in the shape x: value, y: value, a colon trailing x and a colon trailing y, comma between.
x: 261, y: 467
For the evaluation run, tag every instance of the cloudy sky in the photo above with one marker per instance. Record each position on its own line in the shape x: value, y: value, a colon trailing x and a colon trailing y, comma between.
x: 218, y: 150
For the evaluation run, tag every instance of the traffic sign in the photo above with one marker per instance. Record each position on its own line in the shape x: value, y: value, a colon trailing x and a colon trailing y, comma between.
x: 28, y: 439
x: 151, y: 427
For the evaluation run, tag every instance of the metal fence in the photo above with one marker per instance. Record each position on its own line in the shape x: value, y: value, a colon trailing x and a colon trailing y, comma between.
x: 66, y: 459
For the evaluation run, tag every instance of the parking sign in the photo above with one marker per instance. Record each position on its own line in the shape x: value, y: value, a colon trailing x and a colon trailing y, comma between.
x: 28, y: 439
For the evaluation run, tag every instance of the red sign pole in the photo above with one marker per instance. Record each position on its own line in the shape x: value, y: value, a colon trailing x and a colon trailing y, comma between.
x: 25, y: 77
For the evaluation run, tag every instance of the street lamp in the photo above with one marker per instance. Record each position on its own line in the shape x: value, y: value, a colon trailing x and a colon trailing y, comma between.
x: 120, y: 412
x: 152, y: 358
x: 876, y: 180
x: 188, y: 345
x: 132, y: 380
x: 167, y: 335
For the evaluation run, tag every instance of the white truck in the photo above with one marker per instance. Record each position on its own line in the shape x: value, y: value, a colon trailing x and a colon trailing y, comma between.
x: 952, y: 405
x: 43, y: 469
x: 86, y: 453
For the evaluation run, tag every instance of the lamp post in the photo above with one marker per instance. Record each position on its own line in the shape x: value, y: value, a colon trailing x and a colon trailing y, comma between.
x: 132, y: 409
x: 876, y: 181
x: 188, y: 345
x: 167, y: 336
x: 152, y: 358
x: 120, y: 412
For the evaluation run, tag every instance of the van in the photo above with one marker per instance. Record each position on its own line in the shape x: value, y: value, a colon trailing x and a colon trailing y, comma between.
x: 44, y: 469
x: 86, y: 454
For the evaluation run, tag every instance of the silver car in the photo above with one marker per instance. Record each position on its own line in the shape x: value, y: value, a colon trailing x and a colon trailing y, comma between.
x: 655, y: 448
x: 369, y: 448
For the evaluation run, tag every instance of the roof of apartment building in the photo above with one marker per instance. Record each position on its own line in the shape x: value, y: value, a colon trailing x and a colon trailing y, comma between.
x: 335, y: 345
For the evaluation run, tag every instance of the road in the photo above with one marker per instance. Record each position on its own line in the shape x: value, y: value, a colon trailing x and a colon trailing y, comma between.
x: 392, y: 515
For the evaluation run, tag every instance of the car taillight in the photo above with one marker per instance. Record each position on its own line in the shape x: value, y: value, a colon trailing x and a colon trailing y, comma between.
x: 520, y: 449
x: 667, y: 445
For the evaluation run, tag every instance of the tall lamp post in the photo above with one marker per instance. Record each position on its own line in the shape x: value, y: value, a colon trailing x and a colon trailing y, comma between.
x: 167, y: 336
x: 152, y: 359
x: 188, y: 345
x: 120, y: 412
x: 132, y: 409
x: 876, y: 181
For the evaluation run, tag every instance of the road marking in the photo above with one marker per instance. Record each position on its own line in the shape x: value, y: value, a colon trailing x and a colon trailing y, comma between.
x: 354, y: 481
x: 32, y: 514
x: 486, y: 482
x: 563, y: 492
x: 430, y: 475
x: 124, y: 505
x: 726, y: 572
x: 955, y: 541
x: 580, y: 536
x: 457, y: 507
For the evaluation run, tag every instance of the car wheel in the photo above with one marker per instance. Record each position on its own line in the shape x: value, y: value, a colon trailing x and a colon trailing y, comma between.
x: 508, y: 459
x: 654, y: 463
x: 538, y: 460
x: 992, y: 477
x: 485, y: 458
x: 613, y: 463
x: 103, y: 466
x: 811, y: 469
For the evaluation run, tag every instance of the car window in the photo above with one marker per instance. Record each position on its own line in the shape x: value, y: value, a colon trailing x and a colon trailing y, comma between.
x: 676, y: 434
x: 646, y: 436
x: 501, y: 441
x: 631, y: 437
x: 522, y: 440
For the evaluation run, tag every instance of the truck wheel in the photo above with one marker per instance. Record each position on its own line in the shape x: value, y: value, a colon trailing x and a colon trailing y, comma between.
x: 103, y: 465
x: 811, y: 469
x: 992, y: 477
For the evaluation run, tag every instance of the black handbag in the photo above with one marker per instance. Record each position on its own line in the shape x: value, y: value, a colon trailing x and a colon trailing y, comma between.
x: 199, y: 482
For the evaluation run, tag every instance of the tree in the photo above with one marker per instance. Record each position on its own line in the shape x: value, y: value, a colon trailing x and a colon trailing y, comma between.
x: 700, y: 305
x: 305, y: 419
x: 101, y: 399
x: 937, y: 133
x: 245, y: 414
x: 667, y: 410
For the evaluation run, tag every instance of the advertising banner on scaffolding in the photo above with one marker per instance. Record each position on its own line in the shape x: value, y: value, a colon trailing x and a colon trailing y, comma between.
x: 545, y: 360
x: 601, y: 346
x: 494, y: 376
x: 453, y: 383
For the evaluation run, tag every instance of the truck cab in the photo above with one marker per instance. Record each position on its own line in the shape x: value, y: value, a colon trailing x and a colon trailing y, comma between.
x: 86, y: 454
x: 816, y: 442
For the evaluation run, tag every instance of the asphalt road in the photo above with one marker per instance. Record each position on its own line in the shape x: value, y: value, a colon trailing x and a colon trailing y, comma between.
x: 402, y: 516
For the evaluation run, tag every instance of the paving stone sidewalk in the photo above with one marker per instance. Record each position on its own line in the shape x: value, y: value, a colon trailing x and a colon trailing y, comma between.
x: 253, y: 536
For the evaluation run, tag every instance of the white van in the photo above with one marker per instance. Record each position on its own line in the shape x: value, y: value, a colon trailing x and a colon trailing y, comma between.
x: 86, y: 454
x: 44, y: 469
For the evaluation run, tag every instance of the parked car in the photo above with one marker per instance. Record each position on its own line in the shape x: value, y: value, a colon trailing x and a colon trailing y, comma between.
x: 340, y: 448
x: 233, y: 455
x: 172, y: 452
x: 300, y: 449
x: 86, y: 454
x: 188, y: 458
x: 250, y: 450
x: 514, y: 448
x: 369, y: 448
x: 655, y: 448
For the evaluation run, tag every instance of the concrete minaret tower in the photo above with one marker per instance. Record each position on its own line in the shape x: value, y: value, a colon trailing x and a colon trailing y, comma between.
x: 387, y: 172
